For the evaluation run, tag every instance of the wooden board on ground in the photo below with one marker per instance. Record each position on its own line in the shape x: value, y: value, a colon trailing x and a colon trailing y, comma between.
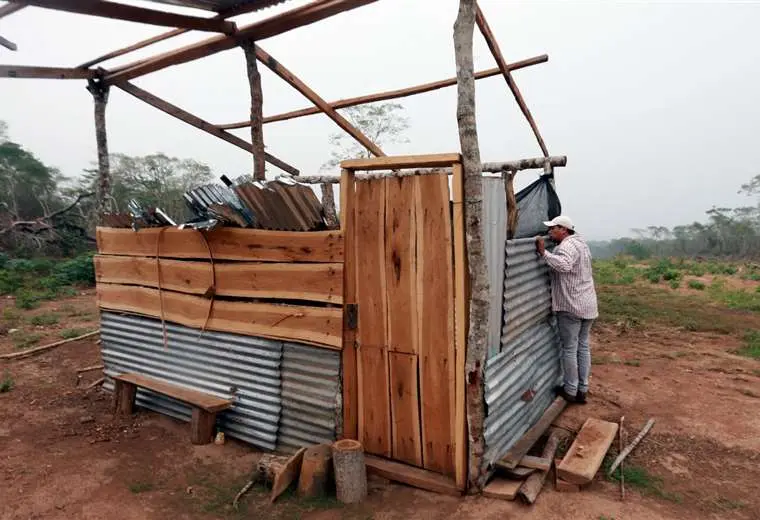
x: 372, y: 354
x: 526, y: 442
x: 284, y: 281
x: 541, y: 463
x: 502, y: 488
x: 564, y: 486
x: 518, y: 473
x: 535, y: 483
x: 226, y: 243
x: 587, y: 452
x: 407, y: 446
x: 287, y: 474
x: 207, y: 402
x: 318, y: 326
x: 435, y: 290
x: 412, y: 476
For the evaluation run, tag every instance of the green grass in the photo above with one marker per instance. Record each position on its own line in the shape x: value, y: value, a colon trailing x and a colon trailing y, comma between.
x: 73, y: 333
x: 46, y: 319
x: 11, y: 316
x: 6, y: 384
x: 141, y: 487
x: 675, y: 284
x: 728, y: 504
x: 697, y: 285
x: 751, y: 348
x: 633, y: 363
x: 639, y: 478
x: 23, y: 339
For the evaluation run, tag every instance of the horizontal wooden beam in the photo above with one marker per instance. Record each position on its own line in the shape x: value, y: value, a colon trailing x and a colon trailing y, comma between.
x: 281, y: 281
x: 258, y: 31
x: 23, y: 71
x: 226, y: 243
x: 235, y: 11
x: 199, y: 123
x: 412, y: 476
x: 295, y: 82
x: 10, y: 8
x: 321, y: 326
x: 8, y: 44
x: 525, y: 164
x: 132, y: 13
x: 389, y: 94
x: 402, y: 161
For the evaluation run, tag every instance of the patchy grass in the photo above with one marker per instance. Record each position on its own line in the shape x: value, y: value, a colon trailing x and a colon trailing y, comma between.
x: 11, y: 316
x: 697, y: 285
x: 728, y: 504
x: 639, y: 478
x: 45, y: 319
x: 633, y: 363
x: 7, y: 383
x: 141, y: 487
x: 73, y: 333
x: 23, y: 339
x: 751, y: 348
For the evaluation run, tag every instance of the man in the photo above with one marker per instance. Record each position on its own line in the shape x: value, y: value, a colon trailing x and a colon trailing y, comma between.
x: 573, y: 302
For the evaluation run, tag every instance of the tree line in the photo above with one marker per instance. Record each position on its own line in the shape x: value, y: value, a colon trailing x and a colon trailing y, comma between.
x: 727, y: 232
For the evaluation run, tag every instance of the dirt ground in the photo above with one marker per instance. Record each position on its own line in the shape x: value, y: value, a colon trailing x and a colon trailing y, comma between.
x: 63, y: 455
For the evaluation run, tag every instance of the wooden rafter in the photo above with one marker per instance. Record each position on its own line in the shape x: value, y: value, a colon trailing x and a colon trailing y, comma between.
x: 135, y: 14
x: 8, y: 44
x: 312, y: 96
x: 257, y: 31
x: 10, y: 8
x: 235, y: 11
x: 493, y: 45
x: 390, y: 94
x: 22, y: 71
x: 199, y: 123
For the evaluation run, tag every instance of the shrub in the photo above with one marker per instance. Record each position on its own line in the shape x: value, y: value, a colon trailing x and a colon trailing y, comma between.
x: 697, y: 285
x: 27, y: 299
x: 73, y: 333
x: 6, y: 385
x: 79, y: 270
x: 45, y: 319
x: 24, y: 340
x: 675, y: 284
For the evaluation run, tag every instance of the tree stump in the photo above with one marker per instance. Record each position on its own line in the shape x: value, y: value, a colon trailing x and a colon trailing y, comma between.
x: 315, y: 471
x: 350, y: 471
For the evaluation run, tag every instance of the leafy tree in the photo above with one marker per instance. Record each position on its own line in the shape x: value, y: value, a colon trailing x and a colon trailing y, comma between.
x: 383, y: 123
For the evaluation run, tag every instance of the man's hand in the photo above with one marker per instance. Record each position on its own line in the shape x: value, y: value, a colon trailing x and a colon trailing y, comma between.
x: 540, y: 246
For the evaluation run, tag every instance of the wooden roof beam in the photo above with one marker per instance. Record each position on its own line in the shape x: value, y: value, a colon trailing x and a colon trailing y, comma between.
x: 390, y: 94
x: 312, y: 96
x: 135, y: 14
x: 199, y: 123
x: 278, y: 24
x: 235, y: 11
x: 494, y: 47
x: 26, y: 72
x: 10, y: 8
x: 8, y: 44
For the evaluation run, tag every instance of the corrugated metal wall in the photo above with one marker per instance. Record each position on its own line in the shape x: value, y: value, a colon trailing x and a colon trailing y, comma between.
x: 494, y: 237
x: 520, y: 379
x: 267, y: 379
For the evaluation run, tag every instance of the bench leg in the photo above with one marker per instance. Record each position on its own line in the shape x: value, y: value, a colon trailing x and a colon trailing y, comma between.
x: 124, y: 397
x: 202, y: 426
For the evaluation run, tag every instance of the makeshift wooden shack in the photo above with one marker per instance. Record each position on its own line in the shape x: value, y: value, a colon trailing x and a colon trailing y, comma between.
x: 421, y: 326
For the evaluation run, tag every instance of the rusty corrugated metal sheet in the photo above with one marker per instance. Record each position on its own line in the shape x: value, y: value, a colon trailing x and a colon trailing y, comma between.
x: 277, y: 205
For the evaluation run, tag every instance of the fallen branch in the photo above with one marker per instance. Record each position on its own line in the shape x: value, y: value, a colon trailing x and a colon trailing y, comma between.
x: 622, y: 475
x: 620, y: 458
x: 95, y: 383
x: 41, y: 221
x: 36, y: 350
x: 241, y: 493
x: 89, y: 369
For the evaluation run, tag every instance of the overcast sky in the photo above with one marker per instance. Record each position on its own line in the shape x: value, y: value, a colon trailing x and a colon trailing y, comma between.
x: 655, y: 104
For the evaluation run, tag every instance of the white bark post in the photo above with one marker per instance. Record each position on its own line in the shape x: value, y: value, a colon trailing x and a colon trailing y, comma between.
x: 99, y: 93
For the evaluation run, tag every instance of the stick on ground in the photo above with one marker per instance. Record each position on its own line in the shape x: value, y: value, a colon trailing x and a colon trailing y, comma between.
x: 89, y: 369
x: 96, y: 383
x: 36, y: 350
x: 619, y: 460
x: 622, y: 475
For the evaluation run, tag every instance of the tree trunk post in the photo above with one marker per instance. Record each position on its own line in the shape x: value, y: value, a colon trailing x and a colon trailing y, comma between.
x: 99, y: 93
x: 473, y: 209
x: 257, y: 111
x: 328, y: 203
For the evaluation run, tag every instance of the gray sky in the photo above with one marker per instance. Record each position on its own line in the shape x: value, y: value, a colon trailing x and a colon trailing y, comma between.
x: 654, y: 103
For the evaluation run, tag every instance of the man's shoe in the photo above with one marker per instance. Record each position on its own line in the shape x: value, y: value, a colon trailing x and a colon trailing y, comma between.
x: 580, y: 397
x: 560, y: 390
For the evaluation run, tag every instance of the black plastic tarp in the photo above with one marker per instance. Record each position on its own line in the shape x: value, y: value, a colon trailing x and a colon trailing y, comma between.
x: 536, y: 204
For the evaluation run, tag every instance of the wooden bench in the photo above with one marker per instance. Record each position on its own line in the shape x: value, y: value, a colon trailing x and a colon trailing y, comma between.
x: 205, y: 407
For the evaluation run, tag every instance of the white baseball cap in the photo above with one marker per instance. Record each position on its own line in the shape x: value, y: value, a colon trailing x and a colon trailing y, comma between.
x: 562, y: 220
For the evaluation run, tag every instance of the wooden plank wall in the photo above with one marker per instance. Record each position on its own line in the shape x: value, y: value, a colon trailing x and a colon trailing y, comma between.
x: 279, y: 285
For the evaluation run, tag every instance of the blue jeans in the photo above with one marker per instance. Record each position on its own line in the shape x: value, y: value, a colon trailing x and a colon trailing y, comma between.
x: 576, y: 353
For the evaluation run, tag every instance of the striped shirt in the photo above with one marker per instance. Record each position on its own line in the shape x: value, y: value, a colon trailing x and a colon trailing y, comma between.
x: 572, y: 279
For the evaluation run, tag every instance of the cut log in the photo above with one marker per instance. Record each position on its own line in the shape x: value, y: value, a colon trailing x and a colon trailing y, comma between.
x: 535, y: 483
x: 285, y: 475
x: 529, y: 461
x: 350, y: 471
x: 587, y: 452
x: 502, y: 488
x: 316, y: 471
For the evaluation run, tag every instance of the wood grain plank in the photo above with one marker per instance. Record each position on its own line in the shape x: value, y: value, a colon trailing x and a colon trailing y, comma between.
x: 285, y: 476
x: 349, y: 370
x: 318, y: 326
x: 402, y: 161
x: 207, y: 402
x: 405, y: 412
x: 502, y: 489
x: 412, y: 476
x: 287, y: 281
x: 372, y: 359
x: 226, y: 244
x: 461, y: 300
x: 436, y: 328
x: 512, y: 458
x: 401, y: 264
x: 585, y: 456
